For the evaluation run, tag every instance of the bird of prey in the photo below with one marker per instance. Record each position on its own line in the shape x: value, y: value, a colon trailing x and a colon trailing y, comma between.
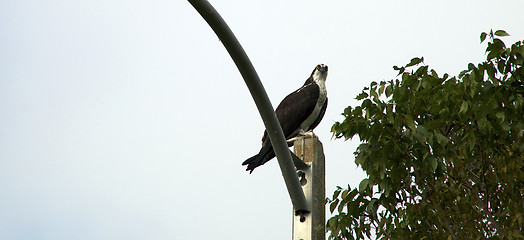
x: 299, y: 112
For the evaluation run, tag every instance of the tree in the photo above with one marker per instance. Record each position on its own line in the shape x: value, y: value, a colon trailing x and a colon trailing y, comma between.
x: 444, y: 155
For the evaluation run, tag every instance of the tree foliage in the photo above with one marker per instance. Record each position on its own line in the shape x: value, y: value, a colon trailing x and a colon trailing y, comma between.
x: 444, y: 155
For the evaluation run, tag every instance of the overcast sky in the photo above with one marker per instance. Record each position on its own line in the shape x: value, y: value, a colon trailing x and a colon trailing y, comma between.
x: 128, y: 119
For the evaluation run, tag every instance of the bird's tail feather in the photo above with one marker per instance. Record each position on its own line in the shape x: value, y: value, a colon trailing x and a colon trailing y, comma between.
x: 265, y: 154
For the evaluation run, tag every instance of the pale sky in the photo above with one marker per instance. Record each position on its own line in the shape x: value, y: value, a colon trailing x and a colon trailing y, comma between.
x: 129, y: 120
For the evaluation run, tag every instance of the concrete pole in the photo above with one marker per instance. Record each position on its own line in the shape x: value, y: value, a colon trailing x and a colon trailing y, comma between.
x: 312, y: 179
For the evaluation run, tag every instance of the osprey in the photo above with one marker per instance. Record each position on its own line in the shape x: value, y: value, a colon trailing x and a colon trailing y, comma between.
x: 299, y: 112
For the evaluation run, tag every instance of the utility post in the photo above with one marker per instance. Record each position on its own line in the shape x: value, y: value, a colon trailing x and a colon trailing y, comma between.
x: 312, y: 179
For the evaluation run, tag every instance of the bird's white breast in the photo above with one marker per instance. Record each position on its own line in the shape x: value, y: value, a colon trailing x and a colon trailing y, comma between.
x: 318, y: 107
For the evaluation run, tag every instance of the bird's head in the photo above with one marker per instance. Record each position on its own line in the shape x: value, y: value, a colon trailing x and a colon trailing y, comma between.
x: 320, y: 73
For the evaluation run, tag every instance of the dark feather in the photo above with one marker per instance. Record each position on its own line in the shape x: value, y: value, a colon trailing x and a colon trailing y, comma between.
x: 266, y: 153
x: 294, y: 109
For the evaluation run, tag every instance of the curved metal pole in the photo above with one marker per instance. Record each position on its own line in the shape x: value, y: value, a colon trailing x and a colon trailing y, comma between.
x: 262, y: 102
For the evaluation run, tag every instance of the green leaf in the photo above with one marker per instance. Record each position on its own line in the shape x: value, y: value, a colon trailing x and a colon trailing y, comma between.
x: 434, y: 73
x: 400, y: 70
x: 351, y: 195
x: 360, y: 159
x: 462, y: 73
x: 422, y: 133
x: 361, y: 96
x: 483, y: 37
x: 441, y: 139
x: 501, y: 116
x: 344, y: 194
x: 463, y: 107
x: 434, y: 164
x: 381, y: 88
x: 415, y: 61
x: 333, y: 205
x: 363, y: 186
x: 341, y: 206
x: 371, y: 207
x: 348, y: 111
x: 336, y: 193
x: 389, y: 90
x: 410, y: 123
x: 501, y: 33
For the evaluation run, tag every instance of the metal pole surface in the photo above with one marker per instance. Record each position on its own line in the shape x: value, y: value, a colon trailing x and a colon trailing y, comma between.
x: 244, y: 65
